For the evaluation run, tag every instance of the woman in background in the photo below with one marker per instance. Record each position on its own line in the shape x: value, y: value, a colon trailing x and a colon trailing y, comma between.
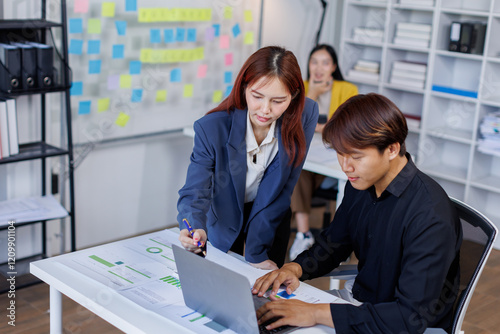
x: 325, y: 84
x: 247, y: 156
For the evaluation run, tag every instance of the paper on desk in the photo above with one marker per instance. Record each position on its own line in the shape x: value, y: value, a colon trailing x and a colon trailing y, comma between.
x: 31, y: 209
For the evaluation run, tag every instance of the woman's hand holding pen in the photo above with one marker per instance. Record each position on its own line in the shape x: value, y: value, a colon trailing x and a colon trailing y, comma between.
x: 191, y: 242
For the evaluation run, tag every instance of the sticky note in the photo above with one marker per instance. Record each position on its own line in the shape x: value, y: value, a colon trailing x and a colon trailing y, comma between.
x: 191, y: 35
x: 216, y: 29
x: 135, y: 67
x: 227, y: 77
x: 108, y: 9
x: 125, y: 81
x: 155, y: 36
x: 136, y: 95
x: 236, y: 30
x: 103, y: 104
x: 188, y: 90
x: 180, y: 35
x: 113, y: 82
x: 228, y: 12
x: 94, y: 66
x: 130, y: 5
x: 228, y: 91
x: 122, y: 119
x: 94, y: 47
x: 248, y: 37
x: 248, y: 15
x: 121, y: 27
x: 175, y: 75
x: 75, y: 46
x: 84, y: 107
x: 217, y: 96
x: 224, y: 42
x: 75, y: 26
x: 169, y: 36
x: 161, y: 95
x: 81, y: 6
x: 210, y: 34
x: 76, y: 88
x: 228, y: 59
x: 94, y: 26
x: 202, y: 71
x: 118, y: 51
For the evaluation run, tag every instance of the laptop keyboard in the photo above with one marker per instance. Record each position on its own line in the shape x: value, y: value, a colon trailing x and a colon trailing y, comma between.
x: 258, y: 302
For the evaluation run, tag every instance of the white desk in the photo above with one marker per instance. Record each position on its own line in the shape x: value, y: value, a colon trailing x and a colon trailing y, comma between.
x: 104, y: 300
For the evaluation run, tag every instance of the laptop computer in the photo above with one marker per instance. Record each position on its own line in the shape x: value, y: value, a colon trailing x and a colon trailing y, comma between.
x: 219, y: 293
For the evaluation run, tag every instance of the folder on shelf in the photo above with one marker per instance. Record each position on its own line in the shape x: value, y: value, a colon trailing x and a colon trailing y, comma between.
x: 4, y: 130
x: 478, y: 36
x: 28, y: 65
x: 12, y: 124
x: 10, y: 68
x: 465, y: 37
x: 454, y: 36
x: 44, y: 64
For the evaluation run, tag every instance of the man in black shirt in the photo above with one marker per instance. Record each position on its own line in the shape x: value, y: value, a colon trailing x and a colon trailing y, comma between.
x: 400, y: 224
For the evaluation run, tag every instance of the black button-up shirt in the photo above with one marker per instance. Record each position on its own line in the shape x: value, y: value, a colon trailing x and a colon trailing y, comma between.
x: 407, y: 242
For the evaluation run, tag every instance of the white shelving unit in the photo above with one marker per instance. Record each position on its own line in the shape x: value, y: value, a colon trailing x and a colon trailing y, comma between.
x: 445, y: 144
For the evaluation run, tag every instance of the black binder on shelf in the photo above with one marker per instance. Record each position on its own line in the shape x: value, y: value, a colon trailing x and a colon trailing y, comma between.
x: 10, y: 68
x: 28, y: 65
x: 44, y: 64
x: 467, y: 37
x: 466, y: 30
x: 454, y: 36
x: 478, y: 36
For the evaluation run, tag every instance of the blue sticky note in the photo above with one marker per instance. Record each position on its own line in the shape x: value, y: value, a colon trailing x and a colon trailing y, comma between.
x: 121, y: 27
x: 94, y: 66
x: 84, y: 108
x: 136, y: 95
x: 228, y: 90
x: 180, y: 34
x: 76, y: 88
x: 236, y: 30
x: 175, y: 75
x: 155, y: 36
x: 75, y: 46
x: 227, y: 77
x: 191, y: 35
x: 94, y: 47
x: 75, y: 26
x: 169, y: 35
x: 130, y: 5
x: 135, y: 67
x: 216, y: 29
x: 118, y: 51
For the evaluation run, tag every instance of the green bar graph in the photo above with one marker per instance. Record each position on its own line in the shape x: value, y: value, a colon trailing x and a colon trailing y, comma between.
x: 171, y: 280
x: 102, y: 261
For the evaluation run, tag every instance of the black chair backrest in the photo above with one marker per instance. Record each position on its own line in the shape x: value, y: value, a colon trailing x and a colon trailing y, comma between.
x: 478, y: 237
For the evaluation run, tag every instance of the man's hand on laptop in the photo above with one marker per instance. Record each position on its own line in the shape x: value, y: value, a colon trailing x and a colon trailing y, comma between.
x: 191, y: 243
x: 288, y: 275
x: 266, y: 265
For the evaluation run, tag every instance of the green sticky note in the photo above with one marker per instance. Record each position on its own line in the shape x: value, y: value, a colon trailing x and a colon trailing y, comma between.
x: 94, y: 26
x: 188, y: 90
x: 161, y: 95
x: 122, y: 119
x: 103, y: 104
x: 248, y: 37
x: 125, y: 81
x: 228, y: 12
x: 217, y: 96
x: 248, y: 16
x: 108, y: 9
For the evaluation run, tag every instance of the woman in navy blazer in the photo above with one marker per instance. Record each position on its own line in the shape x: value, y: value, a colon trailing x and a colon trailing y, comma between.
x: 238, y: 197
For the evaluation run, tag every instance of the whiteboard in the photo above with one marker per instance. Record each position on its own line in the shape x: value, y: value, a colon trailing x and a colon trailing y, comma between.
x: 142, y: 66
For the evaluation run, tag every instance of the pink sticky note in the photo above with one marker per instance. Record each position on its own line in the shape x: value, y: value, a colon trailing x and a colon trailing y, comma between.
x: 228, y: 59
x: 224, y: 42
x: 202, y: 71
x: 81, y: 6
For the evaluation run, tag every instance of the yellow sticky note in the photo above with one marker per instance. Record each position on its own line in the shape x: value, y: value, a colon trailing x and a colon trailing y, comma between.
x: 228, y: 12
x: 248, y: 16
x: 122, y: 119
x: 161, y: 95
x: 94, y: 26
x: 145, y: 56
x: 188, y: 90
x: 217, y: 96
x: 125, y: 81
x: 248, y: 37
x: 108, y: 9
x: 144, y: 15
x: 103, y: 104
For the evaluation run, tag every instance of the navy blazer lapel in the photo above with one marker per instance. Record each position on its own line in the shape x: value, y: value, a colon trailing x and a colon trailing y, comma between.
x: 237, y: 154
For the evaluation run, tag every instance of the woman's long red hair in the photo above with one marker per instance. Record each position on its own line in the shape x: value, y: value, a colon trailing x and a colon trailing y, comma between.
x: 274, y: 62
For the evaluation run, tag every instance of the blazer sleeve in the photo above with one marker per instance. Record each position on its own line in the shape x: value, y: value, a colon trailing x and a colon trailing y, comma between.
x: 195, y: 196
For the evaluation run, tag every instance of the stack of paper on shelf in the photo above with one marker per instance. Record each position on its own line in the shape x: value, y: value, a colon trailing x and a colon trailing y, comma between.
x: 368, y: 35
x: 9, y: 143
x: 490, y: 134
x: 413, y: 34
x: 408, y: 73
x: 429, y: 3
x: 365, y: 70
x: 413, y: 121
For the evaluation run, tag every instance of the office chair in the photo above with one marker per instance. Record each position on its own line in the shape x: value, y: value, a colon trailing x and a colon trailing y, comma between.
x: 479, y: 235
